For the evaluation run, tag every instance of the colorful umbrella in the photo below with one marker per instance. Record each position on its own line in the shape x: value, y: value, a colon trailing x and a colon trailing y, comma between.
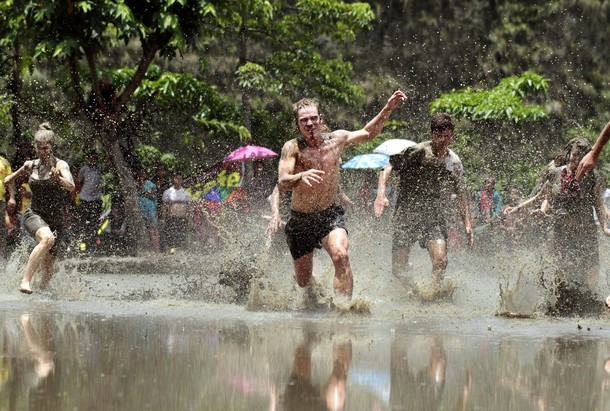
x: 250, y: 153
x: 213, y: 195
x: 393, y: 146
x: 367, y: 161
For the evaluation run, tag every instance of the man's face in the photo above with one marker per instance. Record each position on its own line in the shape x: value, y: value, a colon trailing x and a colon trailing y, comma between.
x: 177, y: 181
x: 309, y: 121
x: 442, y: 136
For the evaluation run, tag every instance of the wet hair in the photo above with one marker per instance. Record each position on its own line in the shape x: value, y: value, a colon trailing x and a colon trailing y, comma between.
x: 441, y: 121
x: 582, y: 146
x: 45, y: 134
x: 305, y: 102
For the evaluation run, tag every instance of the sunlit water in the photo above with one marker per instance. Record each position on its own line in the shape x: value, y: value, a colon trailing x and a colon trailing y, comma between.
x: 226, y: 328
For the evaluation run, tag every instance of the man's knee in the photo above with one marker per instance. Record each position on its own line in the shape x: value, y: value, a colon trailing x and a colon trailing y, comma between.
x: 339, y: 256
x: 47, y: 241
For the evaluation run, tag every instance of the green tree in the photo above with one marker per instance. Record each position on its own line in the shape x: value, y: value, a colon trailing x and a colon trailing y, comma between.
x: 78, y: 34
x: 273, y: 52
x: 499, y: 136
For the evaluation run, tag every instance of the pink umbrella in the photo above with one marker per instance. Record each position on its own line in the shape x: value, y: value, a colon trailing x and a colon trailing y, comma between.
x: 249, y: 153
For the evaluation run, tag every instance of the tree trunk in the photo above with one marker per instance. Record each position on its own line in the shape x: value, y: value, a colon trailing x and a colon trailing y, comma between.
x: 14, y: 87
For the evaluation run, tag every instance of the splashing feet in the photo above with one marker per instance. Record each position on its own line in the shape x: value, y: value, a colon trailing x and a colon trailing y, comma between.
x: 25, y: 288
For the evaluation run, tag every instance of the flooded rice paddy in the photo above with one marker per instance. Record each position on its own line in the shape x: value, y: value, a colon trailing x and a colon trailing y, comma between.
x: 225, y: 328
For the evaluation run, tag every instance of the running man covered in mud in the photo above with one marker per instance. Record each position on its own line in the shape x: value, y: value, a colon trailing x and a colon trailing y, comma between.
x: 50, y: 180
x: 309, y: 166
x: 590, y: 160
x: 569, y: 203
x: 431, y: 183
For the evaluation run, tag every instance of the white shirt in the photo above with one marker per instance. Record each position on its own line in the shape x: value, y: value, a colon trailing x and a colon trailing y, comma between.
x: 92, y: 183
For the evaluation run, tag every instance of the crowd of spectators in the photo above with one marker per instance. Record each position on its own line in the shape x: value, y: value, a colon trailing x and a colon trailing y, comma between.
x: 178, y: 212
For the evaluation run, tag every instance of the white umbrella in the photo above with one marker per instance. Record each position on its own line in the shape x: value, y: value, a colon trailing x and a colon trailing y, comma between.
x: 393, y: 146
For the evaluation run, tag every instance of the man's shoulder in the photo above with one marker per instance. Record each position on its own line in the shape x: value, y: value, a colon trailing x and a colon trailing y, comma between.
x: 291, y: 147
x: 454, y: 156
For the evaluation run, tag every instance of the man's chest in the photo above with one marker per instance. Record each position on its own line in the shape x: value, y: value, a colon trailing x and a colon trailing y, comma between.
x: 320, y: 159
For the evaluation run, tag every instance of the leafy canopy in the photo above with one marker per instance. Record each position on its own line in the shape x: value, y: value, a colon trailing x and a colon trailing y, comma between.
x: 505, y: 102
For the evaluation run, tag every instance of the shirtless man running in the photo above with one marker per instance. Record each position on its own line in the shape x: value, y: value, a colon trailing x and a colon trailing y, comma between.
x: 309, y: 166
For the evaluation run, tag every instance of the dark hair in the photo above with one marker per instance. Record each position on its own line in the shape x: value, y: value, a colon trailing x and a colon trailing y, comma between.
x: 441, y: 121
x: 582, y: 145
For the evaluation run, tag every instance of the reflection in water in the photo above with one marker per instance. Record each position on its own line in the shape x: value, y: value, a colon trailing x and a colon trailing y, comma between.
x: 420, y: 389
x: 55, y: 361
x: 33, y: 372
x: 302, y: 394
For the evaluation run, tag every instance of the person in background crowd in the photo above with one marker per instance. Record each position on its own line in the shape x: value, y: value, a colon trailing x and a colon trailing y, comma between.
x: 487, y: 209
x: 488, y: 203
x: 90, y: 207
x: 7, y: 203
x: 175, y: 215
x: 162, y: 183
x: 147, y: 194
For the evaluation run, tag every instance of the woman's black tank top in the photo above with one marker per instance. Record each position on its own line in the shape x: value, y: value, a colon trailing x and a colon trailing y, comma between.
x: 48, y: 197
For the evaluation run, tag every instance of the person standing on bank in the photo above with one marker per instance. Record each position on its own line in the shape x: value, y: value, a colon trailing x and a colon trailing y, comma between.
x: 309, y: 166
x: 7, y: 203
x: 90, y: 208
x: 431, y: 185
x: 49, y: 180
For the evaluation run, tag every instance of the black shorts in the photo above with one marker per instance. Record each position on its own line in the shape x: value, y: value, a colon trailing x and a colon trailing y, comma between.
x: 33, y: 222
x: 305, y: 231
x: 411, y: 227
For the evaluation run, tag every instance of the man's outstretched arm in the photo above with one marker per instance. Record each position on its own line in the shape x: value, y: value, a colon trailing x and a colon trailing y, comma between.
x: 375, y: 126
x: 589, y: 161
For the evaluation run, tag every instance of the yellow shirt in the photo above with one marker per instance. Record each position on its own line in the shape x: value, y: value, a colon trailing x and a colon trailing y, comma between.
x: 5, y: 170
x: 26, y: 197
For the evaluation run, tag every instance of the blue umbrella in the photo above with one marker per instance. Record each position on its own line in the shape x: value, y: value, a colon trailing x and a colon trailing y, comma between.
x: 213, y: 195
x: 372, y: 160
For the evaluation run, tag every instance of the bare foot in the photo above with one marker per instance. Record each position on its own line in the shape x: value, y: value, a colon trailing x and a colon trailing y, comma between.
x: 25, y: 288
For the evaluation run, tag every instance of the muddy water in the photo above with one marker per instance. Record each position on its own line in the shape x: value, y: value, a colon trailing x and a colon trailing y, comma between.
x: 226, y: 329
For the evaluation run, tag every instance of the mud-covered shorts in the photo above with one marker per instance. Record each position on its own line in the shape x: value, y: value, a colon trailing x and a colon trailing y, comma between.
x: 33, y: 222
x: 305, y: 231
x: 411, y: 226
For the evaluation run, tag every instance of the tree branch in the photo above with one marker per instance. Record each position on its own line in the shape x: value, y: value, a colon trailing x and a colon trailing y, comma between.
x: 90, y: 57
x: 148, y: 54
x: 76, y: 86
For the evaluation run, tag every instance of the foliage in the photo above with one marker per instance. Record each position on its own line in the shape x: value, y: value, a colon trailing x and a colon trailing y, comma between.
x: 205, y: 115
x: 274, y: 52
x: 194, y: 77
x: 150, y: 157
x: 504, y: 102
